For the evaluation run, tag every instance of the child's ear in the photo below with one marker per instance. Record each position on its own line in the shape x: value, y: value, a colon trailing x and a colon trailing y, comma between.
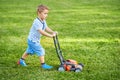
x: 39, y: 12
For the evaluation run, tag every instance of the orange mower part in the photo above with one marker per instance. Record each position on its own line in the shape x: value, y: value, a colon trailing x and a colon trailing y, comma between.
x: 72, y: 61
x: 68, y: 67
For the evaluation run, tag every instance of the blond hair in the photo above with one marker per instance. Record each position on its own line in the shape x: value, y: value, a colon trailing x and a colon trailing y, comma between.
x: 41, y: 8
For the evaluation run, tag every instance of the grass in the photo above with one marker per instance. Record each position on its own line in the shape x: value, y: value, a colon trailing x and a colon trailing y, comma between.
x: 89, y: 32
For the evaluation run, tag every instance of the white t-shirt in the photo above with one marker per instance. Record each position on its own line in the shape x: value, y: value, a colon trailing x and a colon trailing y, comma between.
x: 34, y: 34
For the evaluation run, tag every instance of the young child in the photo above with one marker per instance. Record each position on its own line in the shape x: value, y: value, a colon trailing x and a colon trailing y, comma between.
x: 39, y: 28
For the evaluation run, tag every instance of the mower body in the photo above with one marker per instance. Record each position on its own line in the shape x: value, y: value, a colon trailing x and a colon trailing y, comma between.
x: 71, y: 65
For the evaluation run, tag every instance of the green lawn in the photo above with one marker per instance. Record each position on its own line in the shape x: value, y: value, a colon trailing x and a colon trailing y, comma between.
x: 89, y: 32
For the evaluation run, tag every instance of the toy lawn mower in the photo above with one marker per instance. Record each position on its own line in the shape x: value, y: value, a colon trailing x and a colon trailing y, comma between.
x: 66, y: 65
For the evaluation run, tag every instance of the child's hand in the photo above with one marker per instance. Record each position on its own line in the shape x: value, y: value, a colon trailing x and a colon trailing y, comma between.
x: 55, y: 33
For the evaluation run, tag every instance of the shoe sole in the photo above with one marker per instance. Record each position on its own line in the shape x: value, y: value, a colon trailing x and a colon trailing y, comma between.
x: 18, y: 63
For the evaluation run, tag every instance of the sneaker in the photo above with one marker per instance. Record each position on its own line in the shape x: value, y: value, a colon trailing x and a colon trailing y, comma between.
x: 21, y: 62
x: 45, y: 66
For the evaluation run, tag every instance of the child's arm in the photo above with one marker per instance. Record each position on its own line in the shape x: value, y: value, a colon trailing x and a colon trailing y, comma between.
x: 46, y: 34
x: 49, y: 30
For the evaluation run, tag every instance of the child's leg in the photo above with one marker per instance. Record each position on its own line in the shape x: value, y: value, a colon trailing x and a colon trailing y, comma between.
x: 21, y: 61
x: 25, y: 55
x: 42, y: 59
x: 44, y: 65
x: 39, y: 50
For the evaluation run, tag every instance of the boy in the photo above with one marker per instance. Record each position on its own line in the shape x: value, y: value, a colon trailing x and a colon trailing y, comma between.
x: 38, y: 29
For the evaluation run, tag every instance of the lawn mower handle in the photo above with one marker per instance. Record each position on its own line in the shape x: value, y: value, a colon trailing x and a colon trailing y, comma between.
x: 58, y: 49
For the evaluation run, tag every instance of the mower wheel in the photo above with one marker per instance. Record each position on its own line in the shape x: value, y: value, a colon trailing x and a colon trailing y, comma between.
x: 78, y: 70
x: 61, y: 68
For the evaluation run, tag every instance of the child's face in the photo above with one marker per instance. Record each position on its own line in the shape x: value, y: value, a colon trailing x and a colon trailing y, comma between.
x: 43, y: 15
